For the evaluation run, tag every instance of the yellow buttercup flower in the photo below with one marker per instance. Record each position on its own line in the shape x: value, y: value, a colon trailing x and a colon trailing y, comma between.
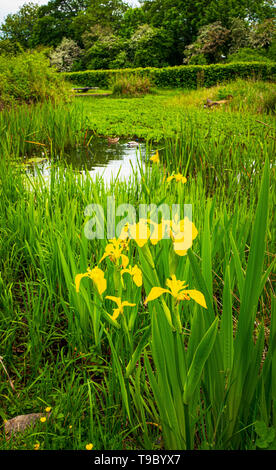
x: 48, y: 409
x: 113, y: 251
x: 155, y: 157
x: 136, y: 274
x: 178, y: 290
x: 89, y: 446
x: 120, y: 305
x: 43, y: 419
x: 97, y: 276
x: 178, y: 177
x: 36, y: 446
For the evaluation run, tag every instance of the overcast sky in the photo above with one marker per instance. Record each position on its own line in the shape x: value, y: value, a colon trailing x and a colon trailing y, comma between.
x: 12, y: 6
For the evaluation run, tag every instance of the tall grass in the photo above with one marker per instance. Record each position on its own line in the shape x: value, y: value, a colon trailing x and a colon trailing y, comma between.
x: 46, y: 127
x: 249, y: 96
x: 130, y: 86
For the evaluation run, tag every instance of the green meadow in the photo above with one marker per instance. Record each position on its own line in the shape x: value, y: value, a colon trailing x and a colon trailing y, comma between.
x: 134, y: 343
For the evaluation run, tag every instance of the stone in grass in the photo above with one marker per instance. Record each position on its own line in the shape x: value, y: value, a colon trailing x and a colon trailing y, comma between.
x: 21, y: 423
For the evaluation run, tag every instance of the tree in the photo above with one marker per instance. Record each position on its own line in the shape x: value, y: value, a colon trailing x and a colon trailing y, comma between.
x: 64, y: 56
x: 104, y: 49
x: 246, y: 54
x: 55, y: 21
x: 179, y: 18
x: 106, y: 13
x: 150, y: 47
x: 18, y: 28
x: 225, y: 10
x: 9, y: 48
x: 271, y: 52
x: 182, y: 19
x: 210, y: 43
x: 132, y: 19
x: 239, y: 34
x: 263, y: 34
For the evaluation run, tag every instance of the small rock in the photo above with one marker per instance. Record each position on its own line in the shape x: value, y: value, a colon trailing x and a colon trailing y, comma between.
x: 21, y: 422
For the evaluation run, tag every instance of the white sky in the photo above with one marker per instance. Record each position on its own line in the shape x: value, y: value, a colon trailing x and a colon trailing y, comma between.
x: 12, y: 6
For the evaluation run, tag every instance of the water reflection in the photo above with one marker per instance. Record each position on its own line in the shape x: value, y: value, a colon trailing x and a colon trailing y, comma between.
x: 101, y: 159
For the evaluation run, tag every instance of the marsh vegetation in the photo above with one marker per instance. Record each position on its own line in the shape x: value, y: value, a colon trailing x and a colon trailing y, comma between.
x: 173, y: 367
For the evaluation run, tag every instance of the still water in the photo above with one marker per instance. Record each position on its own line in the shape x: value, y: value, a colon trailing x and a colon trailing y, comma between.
x: 101, y: 159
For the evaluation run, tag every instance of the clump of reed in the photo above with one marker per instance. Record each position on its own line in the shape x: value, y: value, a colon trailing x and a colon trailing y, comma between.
x: 130, y: 86
x: 45, y: 127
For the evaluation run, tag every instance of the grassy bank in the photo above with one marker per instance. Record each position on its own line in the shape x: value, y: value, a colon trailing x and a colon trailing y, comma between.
x: 168, y: 113
x: 107, y: 379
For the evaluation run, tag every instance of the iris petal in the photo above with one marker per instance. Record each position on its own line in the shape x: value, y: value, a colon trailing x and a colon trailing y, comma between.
x: 155, y: 293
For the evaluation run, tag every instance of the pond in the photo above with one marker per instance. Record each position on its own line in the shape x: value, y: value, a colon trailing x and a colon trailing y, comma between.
x: 101, y: 159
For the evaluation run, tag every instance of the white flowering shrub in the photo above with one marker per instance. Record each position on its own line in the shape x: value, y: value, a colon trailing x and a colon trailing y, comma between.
x: 64, y: 56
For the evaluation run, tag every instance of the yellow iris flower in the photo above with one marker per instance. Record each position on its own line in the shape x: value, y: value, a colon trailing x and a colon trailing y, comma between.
x: 183, y: 232
x: 159, y: 230
x: 124, y: 233
x: 136, y: 274
x: 155, y: 157
x: 178, y: 178
x: 120, y: 305
x: 140, y: 232
x: 97, y: 276
x: 178, y: 290
x: 113, y: 251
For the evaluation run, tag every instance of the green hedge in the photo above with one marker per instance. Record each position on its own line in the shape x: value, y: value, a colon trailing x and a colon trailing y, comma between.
x: 183, y: 76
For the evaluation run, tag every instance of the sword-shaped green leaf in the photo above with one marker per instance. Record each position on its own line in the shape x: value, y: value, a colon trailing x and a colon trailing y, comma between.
x: 201, y: 355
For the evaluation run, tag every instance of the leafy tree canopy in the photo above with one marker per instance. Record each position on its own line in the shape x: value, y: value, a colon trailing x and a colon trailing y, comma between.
x: 158, y: 32
x: 19, y: 26
x: 106, y: 13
